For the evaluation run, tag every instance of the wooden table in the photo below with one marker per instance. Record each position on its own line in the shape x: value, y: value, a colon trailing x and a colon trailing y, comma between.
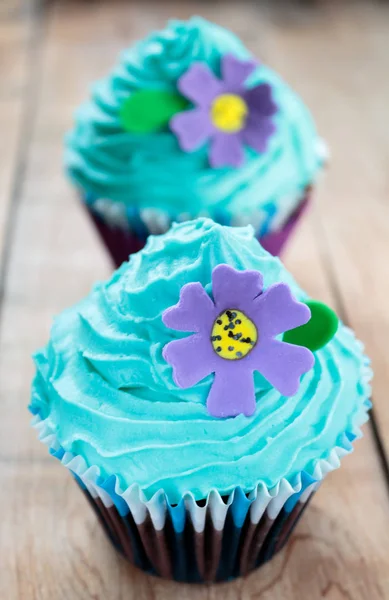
x: 337, y: 56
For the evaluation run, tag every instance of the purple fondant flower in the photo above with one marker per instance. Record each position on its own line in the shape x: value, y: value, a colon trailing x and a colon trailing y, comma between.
x: 234, y: 335
x: 226, y: 112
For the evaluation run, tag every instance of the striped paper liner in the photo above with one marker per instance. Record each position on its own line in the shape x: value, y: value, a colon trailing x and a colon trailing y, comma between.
x: 192, y: 556
x: 124, y: 234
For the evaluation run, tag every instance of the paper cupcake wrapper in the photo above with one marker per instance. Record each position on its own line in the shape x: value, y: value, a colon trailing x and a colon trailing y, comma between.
x: 188, y: 555
x: 125, y: 231
x: 215, y: 539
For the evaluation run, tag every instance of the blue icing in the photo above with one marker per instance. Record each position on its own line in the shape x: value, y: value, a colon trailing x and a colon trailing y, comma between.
x: 151, y: 171
x: 106, y: 392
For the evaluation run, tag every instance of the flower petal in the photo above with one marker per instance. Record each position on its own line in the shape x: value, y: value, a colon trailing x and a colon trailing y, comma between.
x: 192, y: 128
x: 257, y: 132
x: 232, y: 393
x: 234, y: 289
x: 277, y: 311
x: 281, y: 364
x: 226, y: 150
x: 259, y: 100
x: 192, y: 359
x: 194, y: 312
x: 200, y: 85
x: 235, y: 71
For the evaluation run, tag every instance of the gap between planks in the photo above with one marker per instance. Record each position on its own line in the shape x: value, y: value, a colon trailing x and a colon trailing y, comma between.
x: 33, y: 52
x: 327, y: 262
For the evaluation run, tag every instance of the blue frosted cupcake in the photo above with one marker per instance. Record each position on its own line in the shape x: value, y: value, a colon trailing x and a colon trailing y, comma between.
x: 189, y: 124
x: 199, y: 398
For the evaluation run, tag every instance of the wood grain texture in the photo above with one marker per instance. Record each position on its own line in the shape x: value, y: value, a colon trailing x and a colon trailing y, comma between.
x: 16, y: 38
x: 51, y: 547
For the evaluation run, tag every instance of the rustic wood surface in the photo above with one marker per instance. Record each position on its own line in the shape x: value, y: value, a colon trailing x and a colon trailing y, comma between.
x: 337, y: 55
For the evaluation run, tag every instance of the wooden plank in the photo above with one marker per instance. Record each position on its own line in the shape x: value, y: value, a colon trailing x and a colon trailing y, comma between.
x: 15, y: 40
x: 50, y: 544
x: 351, y: 101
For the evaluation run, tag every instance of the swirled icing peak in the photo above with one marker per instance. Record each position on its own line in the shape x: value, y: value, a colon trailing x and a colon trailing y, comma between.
x: 104, y: 388
x: 150, y: 169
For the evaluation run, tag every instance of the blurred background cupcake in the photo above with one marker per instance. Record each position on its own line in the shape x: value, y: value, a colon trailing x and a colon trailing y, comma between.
x: 188, y: 124
x: 200, y: 452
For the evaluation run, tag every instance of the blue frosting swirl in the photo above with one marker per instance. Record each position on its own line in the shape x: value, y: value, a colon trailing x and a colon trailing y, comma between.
x: 108, y: 395
x: 151, y: 171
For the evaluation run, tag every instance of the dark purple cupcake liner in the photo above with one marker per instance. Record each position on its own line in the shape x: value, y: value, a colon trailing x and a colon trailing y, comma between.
x: 121, y: 243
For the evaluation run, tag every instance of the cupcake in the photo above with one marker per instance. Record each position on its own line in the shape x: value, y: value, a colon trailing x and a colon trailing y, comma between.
x: 189, y: 125
x: 199, y: 398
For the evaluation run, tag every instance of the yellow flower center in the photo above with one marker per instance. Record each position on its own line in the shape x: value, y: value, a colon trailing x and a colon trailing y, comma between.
x: 229, y: 113
x: 233, y: 335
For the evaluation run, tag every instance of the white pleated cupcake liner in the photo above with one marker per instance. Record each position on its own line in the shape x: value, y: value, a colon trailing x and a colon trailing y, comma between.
x: 153, y: 221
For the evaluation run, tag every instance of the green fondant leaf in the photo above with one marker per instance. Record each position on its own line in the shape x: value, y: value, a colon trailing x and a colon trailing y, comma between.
x: 319, y: 330
x: 147, y: 111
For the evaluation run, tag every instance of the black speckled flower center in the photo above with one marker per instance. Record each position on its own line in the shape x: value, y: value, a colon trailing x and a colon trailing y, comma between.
x: 233, y: 335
